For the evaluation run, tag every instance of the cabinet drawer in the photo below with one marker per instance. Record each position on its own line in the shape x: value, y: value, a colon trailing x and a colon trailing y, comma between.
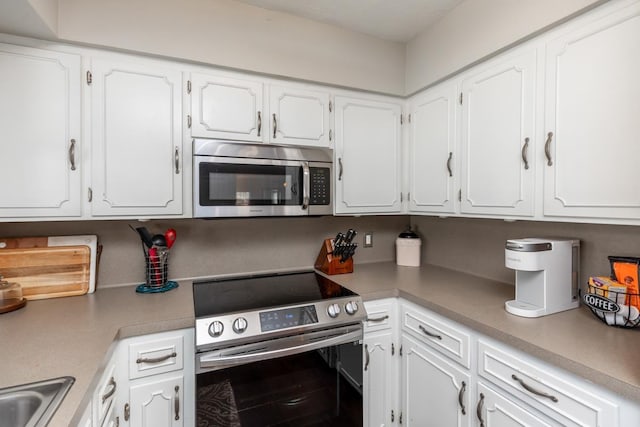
x: 437, y: 332
x: 568, y: 402
x: 381, y: 315
x: 104, y: 394
x: 155, y: 356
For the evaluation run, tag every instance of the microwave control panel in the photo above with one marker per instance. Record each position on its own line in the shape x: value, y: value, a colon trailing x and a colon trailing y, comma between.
x: 320, y: 192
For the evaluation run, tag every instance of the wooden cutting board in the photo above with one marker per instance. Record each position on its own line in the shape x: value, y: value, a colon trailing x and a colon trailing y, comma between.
x: 48, y: 272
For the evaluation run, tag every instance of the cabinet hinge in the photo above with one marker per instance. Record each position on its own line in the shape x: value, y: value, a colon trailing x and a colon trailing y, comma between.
x: 400, y: 419
x: 330, y: 135
x: 393, y: 416
x: 393, y: 349
x: 401, y: 119
x: 409, y: 118
x: 460, y: 98
x: 460, y: 195
x: 90, y: 194
x: 401, y: 199
x: 89, y: 77
x: 400, y: 353
x: 189, y: 121
x: 188, y: 86
x: 330, y: 106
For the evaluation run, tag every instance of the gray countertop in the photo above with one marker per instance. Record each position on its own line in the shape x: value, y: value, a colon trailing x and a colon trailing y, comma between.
x: 74, y: 336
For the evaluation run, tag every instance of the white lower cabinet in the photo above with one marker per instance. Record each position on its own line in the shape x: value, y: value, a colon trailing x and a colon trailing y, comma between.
x: 434, y: 391
x: 381, y: 365
x: 157, y: 403
x: 495, y: 410
x: 451, y: 376
x: 160, y: 389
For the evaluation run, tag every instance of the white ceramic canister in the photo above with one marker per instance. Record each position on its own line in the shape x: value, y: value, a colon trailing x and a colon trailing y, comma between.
x: 408, y: 246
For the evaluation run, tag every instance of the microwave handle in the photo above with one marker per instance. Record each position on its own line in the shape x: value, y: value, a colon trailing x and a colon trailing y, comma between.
x: 306, y: 185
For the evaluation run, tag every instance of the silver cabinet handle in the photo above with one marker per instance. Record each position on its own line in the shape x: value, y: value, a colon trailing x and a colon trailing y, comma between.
x: 367, y: 358
x: 72, y: 154
x: 156, y: 359
x: 275, y: 125
x: 377, y: 319
x: 547, y: 149
x: 431, y: 334
x: 177, y: 160
x: 177, y: 403
x: 340, y: 165
x: 449, y: 164
x: 127, y: 411
x: 533, y: 390
x: 479, y: 410
x: 259, y: 122
x: 463, y: 388
x: 525, y: 147
x: 112, y: 383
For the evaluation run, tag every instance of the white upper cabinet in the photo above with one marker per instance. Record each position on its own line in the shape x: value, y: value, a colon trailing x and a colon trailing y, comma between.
x: 497, y: 137
x: 299, y: 116
x: 432, y: 159
x: 227, y: 108
x: 243, y: 109
x: 367, y: 153
x: 136, y: 123
x: 39, y: 133
x: 592, y: 119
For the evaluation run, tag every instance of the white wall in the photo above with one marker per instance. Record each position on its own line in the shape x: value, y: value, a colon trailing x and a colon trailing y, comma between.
x: 232, y: 34
x: 475, y: 29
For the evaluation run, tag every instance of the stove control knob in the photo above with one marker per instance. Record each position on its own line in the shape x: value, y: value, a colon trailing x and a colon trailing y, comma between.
x: 333, y: 310
x: 215, y: 328
x: 239, y: 325
x: 351, y: 307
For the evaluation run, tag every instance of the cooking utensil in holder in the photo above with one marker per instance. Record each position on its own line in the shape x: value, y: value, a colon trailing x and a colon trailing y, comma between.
x: 330, y: 264
x: 156, y: 269
x: 615, y: 308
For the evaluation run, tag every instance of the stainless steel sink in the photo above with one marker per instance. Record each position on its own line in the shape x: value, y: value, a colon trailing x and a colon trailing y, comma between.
x: 32, y: 405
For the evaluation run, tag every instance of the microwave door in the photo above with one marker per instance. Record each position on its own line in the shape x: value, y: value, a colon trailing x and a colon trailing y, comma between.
x: 249, y: 187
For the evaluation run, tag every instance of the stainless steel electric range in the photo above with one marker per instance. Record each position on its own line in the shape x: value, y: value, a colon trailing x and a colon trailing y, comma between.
x: 262, y: 341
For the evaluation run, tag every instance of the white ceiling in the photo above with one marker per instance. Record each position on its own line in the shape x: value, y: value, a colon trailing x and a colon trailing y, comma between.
x: 394, y: 20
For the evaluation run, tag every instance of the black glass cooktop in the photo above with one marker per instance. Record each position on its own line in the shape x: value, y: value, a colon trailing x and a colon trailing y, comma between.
x: 220, y: 296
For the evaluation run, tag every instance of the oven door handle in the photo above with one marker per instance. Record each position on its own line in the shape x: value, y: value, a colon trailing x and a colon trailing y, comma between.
x: 209, y: 361
x: 306, y: 185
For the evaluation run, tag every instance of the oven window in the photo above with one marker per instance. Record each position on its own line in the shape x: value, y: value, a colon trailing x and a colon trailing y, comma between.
x: 230, y: 184
x: 299, y: 390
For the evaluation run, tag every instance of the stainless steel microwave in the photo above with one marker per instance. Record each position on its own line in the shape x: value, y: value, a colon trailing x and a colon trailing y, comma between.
x: 235, y: 179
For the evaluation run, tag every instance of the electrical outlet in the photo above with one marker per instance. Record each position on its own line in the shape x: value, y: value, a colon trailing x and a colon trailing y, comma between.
x: 368, y: 240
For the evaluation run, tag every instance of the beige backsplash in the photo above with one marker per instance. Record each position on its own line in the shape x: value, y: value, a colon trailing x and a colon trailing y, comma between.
x: 228, y: 246
x: 223, y: 246
x: 477, y: 245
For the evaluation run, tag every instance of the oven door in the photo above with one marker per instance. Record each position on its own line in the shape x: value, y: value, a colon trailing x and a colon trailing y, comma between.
x: 238, y: 187
x: 281, y: 382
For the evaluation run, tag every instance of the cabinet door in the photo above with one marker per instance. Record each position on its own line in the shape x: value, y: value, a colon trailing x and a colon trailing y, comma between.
x: 380, y: 388
x: 227, y: 108
x: 591, y: 119
x: 498, y: 112
x: 496, y: 410
x: 157, y: 403
x: 299, y: 117
x: 40, y: 133
x: 137, y: 140
x: 432, y: 151
x: 368, y: 143
x: 435, y: 393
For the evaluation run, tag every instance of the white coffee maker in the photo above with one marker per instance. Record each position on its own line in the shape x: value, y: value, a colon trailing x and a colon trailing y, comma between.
x: 547, y: 273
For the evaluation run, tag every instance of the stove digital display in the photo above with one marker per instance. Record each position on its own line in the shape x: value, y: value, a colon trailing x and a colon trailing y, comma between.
x: 287, y: 317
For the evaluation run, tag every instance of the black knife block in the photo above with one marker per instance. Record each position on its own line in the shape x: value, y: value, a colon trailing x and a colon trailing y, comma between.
x: 329, y: 264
